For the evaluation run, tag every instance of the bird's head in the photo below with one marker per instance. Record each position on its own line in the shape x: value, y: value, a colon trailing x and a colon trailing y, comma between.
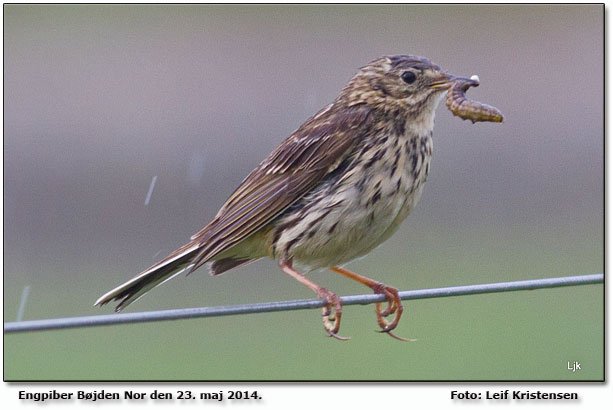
x: 402, y: 81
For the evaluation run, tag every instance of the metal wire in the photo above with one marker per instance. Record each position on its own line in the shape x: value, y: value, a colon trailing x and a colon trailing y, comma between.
x: 190, y: 313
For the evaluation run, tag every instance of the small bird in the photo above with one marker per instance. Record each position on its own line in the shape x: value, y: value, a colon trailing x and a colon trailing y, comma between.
x: 331, y: 192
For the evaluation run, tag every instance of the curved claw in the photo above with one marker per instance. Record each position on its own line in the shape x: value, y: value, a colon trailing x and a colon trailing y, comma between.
x: 334, y: 335
x: 402, y: 339
x: 393, y: 300
x: 394, y: 305
x: 331, y: 313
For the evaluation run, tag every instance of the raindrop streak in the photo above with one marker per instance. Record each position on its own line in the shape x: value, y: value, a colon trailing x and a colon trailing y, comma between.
x: 22, y: 304
x: 196, y: 168
x: 155, y: 178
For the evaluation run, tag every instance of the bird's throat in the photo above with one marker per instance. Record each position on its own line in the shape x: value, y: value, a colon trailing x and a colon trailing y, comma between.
x: 422, y: 122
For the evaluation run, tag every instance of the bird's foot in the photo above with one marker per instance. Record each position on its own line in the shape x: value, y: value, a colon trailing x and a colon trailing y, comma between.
x: 331, y: 313
x: 394, y: 305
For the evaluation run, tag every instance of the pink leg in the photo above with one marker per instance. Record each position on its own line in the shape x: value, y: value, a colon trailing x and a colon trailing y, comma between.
x: 332, y: 320
x: 394, y: 305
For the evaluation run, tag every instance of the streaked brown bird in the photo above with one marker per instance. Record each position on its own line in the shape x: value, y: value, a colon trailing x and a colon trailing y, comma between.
x: 334, y: 190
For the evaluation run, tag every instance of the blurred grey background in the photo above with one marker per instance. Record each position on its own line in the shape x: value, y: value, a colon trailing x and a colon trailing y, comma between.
x: 99, y: 99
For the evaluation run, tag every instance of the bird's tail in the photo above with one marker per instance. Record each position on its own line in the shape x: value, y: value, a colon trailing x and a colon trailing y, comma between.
x: 166, y: 269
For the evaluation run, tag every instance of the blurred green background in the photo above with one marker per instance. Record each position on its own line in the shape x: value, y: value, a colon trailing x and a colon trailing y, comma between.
x: 101, y: 98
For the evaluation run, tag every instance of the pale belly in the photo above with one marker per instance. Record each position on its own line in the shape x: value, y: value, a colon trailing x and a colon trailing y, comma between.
x: 358, y: 212
x: 354, y: 234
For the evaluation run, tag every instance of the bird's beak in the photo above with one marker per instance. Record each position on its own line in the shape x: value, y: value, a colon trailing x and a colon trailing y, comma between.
x: 445, y: 81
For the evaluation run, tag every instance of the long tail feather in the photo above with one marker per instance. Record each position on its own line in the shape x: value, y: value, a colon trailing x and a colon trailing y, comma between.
x: 157, y: 274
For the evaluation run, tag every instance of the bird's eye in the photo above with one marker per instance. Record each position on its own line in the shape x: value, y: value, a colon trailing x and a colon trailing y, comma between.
x: 408, y: 77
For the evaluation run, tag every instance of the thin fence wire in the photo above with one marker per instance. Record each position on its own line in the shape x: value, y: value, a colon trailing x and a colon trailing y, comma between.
x: 191, y: 313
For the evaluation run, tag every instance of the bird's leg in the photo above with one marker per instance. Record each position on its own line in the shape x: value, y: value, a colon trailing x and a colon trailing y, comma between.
x: 331, y: 313
x: 394, y: 305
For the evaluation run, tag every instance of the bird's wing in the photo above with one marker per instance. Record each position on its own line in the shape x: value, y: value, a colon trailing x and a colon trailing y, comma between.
x: 290, y: 171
